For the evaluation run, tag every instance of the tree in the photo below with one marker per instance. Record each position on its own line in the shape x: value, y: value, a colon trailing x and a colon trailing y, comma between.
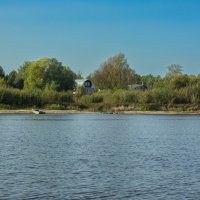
x: 79, y: 75
x: 150, y: 80
x: 179, y: 81
x: 11, y: 78
x: 3, y: 83
x: 16, y: 78
x: 2, y: 73
x: 48, y: 73
x: 21, y: 73
x: 114, y: 73
x: 174, y: 69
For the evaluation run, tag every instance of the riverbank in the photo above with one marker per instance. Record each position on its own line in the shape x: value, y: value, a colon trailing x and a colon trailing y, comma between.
x: 29, y: 111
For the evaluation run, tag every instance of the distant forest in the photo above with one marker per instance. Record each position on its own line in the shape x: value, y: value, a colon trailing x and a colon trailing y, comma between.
x: 47, y: 83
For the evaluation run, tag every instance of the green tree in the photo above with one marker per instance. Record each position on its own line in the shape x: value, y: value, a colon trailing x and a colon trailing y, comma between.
x: 79, y: 75
x: 2, y: 73
x: 48, y: 73
x: 11, y: 77
x: 115, y: 73
x: 150, y: 81
x: 3, y: 83
x: 179, y: 81
x: 174, y: 69
x: 21, y: 74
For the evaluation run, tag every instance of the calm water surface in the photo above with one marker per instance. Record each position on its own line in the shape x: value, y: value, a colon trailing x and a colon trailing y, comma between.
x: 98, y: 156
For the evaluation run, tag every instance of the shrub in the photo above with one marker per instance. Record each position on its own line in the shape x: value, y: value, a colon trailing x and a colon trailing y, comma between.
x: 55, y: 107
x: 5, y: 106
x: 150, y: 107
x: 132, y: 97
x: 97, y: 98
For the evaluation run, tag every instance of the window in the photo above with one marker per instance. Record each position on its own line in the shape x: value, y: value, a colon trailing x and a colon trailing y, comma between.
x: 88, y: 83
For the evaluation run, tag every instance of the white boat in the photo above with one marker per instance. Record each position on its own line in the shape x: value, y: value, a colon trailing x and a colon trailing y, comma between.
x: 37, y: 112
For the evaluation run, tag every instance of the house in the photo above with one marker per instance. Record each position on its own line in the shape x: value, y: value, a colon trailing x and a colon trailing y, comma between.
x: 86, y: 84
x: 137, y: 87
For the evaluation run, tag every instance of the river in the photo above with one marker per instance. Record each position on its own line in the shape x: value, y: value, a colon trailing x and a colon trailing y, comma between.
x: 99, y: 156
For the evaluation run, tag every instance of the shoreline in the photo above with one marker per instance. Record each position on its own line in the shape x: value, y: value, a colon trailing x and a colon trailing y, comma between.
x: 29, y: 111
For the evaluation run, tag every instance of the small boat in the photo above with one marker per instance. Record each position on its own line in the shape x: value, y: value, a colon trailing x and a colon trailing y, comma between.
x: 37, y: 112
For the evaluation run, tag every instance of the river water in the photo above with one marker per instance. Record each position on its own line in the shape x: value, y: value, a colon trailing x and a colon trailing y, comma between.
x: 97, y: 156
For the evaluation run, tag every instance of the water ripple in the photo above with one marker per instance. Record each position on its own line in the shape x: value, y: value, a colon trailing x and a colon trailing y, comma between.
x: 92, y: 157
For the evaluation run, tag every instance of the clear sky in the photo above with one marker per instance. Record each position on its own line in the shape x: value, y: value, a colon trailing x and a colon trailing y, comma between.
x: 82, y: 34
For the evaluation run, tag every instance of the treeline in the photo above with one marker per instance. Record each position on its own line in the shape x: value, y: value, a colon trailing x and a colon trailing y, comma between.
x: 46, y: 73
x: 46, y: 83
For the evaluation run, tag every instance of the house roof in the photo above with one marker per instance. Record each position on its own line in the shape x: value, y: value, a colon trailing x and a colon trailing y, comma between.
x: 80, y: 81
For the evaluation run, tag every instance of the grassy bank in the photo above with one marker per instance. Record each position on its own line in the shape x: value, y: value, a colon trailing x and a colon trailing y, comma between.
x: 107, y: 101
x: 135, y: 100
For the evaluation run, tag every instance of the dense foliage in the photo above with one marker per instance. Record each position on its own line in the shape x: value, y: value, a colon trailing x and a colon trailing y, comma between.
x: 48, y: 73
x: 2, y: 73
x: 115, y: 73
x: 48, y: 84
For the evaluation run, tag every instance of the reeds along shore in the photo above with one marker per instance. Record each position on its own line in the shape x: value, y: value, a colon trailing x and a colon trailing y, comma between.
x: 159, y: 99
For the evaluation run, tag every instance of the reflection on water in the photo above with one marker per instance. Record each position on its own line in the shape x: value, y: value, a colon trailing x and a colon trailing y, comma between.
x: 89, y: 156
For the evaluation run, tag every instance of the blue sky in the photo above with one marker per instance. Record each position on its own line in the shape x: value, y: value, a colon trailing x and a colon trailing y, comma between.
x: 82, y: 34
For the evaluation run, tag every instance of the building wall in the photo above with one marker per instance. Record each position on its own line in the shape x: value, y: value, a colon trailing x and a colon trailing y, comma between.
x: 86, y: 84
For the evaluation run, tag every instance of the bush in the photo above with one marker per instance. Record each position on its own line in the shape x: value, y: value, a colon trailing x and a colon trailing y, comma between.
x: 97, y: 98
x: 150, y: 107
x: 4, y: 106
x: 37, y: 97
x: 53, y: 97
x: 181, y: 96
x: 55, y: 107
x: 161, y: 96
x: 108, y: 99
x: 132, y: 97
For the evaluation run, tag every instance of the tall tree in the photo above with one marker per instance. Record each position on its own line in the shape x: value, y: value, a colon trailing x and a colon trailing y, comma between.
x: 150, y: 80
x: 48, y: 73
x: 114, y: 73
x: 11, y: 78
x: 174, y: 69
x: 2, y: 73
x: 79, y: 75
x: 179, y: 81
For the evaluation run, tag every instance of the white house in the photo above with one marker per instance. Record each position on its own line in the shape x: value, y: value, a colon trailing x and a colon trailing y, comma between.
x: 86, y: 84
